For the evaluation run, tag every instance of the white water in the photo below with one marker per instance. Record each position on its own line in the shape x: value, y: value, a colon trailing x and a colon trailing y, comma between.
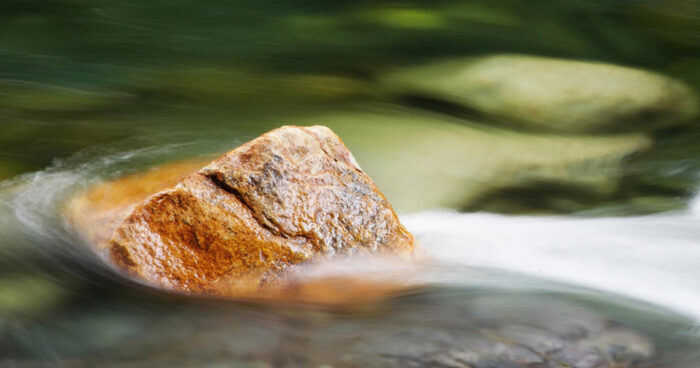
x: 653, y: 258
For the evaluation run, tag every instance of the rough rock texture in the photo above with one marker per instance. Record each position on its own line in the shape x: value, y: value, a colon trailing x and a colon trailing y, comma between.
x: 290, y: 196
x: 499, y: 330
x: 552, y: 94
x: 446, y: 328
x: 97, y: 212
x: 512, y: 346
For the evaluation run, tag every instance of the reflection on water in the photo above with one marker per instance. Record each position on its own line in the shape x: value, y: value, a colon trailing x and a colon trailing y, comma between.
x: 600, y: 164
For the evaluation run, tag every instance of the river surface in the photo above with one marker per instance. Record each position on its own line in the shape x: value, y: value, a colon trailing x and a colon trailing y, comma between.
x: 63, y: 306
x: 594, y: 256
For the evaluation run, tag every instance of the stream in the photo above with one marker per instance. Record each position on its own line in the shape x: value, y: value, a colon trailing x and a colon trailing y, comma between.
x: 530, y: 276
x: 543, y: 153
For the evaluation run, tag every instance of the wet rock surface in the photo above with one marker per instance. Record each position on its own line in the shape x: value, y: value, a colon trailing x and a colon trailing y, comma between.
x: 504, y: 331
x: 508, y: 346
x: 290, y: 196
x: 474, y: 330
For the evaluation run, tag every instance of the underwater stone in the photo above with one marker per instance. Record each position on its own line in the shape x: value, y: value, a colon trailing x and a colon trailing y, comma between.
x: 511, y: 346
x: 425, y: 160
x: 293, y: 195
x: 552, y: 94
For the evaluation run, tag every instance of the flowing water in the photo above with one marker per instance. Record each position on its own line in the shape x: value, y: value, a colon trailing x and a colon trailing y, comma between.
x: 63, y: 306
x: 597, y: 261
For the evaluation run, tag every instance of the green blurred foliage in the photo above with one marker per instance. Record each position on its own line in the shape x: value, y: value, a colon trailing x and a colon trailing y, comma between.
x: 78, y: 73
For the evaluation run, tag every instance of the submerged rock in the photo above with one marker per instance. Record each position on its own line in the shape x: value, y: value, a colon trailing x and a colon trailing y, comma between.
x: 552, y: 94
x: 494, y: 329
x: 426, y: 160
x: 457, y: 328
x: 507, y: 345
x: 291, y: 196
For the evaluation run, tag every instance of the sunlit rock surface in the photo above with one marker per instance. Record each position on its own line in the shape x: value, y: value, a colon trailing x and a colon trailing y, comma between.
x: 552, y: 94
x: 291, y: 196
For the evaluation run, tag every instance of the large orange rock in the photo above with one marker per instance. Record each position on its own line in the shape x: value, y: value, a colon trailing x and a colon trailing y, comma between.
x: 239, y: 225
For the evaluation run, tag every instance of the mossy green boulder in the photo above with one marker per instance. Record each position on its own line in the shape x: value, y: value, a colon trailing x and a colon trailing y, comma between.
x: 546, y: 94
x: 422, y: 160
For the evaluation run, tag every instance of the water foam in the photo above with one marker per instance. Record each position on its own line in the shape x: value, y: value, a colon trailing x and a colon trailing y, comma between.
x: 653, y: 258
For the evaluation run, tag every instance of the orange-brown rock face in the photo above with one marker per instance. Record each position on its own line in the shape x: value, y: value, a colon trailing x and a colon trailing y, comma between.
x: 294, y: 195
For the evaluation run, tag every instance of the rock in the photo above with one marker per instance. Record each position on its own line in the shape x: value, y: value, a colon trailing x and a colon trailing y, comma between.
x: 294, y: 195
x: 527, y: 333
x: 552, y: 94
x: 97, y: 212
x: 515, y: 346
x: 425, y: 160
x: 443, y: 328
